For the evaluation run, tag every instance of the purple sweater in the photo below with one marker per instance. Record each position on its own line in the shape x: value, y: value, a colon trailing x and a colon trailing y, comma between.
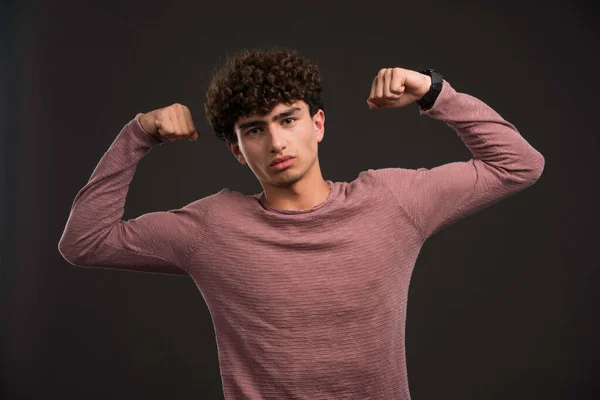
x: 306, y: 304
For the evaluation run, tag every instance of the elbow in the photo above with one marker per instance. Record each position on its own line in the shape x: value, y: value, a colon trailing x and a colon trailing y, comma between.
x: 80, y: 250
x: 68, y: 254
x: 537, y: 167
x: 71, y: 253
x: 522, y: 172
x: 529, y: 170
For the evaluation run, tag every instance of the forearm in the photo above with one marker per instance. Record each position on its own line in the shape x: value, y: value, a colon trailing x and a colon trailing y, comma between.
x: 99, y: 205
x: 488, y: 136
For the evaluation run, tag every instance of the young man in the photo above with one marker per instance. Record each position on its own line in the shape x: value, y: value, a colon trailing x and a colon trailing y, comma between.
x: 306, y: 282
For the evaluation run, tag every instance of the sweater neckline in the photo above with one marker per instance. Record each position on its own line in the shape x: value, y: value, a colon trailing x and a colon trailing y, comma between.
x: 261, y: 199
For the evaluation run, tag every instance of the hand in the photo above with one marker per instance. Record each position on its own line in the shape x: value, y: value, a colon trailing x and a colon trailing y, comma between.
x: 173, y: 123
x: 397, y: 87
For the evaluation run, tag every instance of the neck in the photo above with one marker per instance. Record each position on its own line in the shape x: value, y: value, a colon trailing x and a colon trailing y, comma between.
x: 308, y: 192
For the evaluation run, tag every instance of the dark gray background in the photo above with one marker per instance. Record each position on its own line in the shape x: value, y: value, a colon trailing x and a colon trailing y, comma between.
x: 502, y: 305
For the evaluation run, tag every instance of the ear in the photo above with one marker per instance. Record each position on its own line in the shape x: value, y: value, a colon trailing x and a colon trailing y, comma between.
x: 319, y: 124
x: 235, y: 149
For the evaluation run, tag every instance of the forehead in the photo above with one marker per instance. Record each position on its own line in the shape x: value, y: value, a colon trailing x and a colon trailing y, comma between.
x: 279, y: 108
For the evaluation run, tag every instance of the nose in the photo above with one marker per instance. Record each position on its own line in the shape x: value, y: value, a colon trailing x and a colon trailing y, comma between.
x: 277, y: 140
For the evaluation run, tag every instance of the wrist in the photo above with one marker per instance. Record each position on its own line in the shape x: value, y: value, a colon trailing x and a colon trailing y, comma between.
x: 148, y: 124
x: 425, y: 87
x: 435, y: 87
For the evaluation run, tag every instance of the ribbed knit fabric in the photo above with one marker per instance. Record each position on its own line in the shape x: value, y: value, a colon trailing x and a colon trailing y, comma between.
x: 306, y: 304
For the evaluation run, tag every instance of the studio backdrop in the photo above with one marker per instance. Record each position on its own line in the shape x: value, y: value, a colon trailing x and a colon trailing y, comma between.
x: 502, y: 304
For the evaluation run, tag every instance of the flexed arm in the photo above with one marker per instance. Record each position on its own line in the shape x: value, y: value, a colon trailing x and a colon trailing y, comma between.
x: 503, y: 162
x: 96, y: 236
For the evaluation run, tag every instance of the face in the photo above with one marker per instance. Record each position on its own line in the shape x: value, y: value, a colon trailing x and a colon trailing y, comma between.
x: 288, y: 130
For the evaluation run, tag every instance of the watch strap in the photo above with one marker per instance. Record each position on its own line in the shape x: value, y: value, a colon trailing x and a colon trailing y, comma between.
x: 427, y: 101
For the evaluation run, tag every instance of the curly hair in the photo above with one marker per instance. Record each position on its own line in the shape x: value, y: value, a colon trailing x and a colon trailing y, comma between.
x: 254, y: 82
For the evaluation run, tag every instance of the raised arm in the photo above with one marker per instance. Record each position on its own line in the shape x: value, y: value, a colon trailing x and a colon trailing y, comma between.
x: 503, y: 162
x: 96, y: 236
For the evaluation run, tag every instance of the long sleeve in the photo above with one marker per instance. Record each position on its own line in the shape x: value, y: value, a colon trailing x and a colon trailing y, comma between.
x: 95, y: 235
x: 503, y: 164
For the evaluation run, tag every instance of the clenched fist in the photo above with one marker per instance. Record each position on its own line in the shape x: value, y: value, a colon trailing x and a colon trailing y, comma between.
x: 397, y: 87
x: 172, y: 123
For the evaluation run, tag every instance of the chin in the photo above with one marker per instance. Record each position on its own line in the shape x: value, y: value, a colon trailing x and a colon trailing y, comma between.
x: 286, y: 180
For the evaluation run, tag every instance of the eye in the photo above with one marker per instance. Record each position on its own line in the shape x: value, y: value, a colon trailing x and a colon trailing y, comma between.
x: 253, y: 130
x: 290, y: 120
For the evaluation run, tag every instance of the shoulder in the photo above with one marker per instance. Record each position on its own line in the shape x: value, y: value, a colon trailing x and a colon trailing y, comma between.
x: 230, y: 200
x: 385, y: 176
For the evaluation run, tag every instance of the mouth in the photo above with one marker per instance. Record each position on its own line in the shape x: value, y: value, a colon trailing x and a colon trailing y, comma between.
x: 283, y: 164
x: 281, y: 159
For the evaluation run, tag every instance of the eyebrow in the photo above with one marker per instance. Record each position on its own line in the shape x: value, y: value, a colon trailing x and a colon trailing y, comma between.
x: 260, y: 122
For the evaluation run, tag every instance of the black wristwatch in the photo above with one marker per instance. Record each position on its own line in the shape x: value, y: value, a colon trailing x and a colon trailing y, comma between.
x: 427, y: 101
